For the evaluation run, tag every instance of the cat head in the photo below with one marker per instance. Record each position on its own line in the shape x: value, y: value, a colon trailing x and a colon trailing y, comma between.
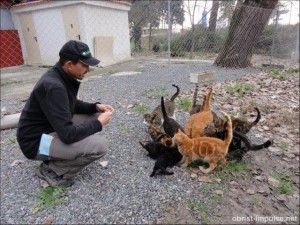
x: 165, y: 140
x: 210, y: 130
x: 149, y: 119
x: 179, y: 138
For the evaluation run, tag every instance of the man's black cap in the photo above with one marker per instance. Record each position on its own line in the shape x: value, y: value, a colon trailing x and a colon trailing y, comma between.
x: 77, y: 50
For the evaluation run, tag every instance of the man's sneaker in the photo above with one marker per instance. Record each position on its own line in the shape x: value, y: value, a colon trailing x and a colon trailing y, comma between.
x: 45, y: 173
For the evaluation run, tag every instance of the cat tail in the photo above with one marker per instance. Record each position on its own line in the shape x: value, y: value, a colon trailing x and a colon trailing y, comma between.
x: 163, y: 109
x: 176, y: 93
x: 228, y: 139
x: 195, y: 95
x: 267, y: 144
x: 257, y: 118
x: 207, y: 101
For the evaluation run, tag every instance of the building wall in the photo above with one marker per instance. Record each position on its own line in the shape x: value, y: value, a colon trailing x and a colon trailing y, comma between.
x: 95, y: 18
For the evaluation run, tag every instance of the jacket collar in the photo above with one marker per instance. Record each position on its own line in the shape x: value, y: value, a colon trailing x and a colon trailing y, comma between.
x: 66, y: 77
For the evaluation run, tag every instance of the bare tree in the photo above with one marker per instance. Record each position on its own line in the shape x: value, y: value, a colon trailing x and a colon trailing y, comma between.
x: 246, y: 26
x: 213, y: 16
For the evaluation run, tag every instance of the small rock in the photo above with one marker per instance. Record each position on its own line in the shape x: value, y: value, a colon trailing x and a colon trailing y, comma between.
x: 281, y: 198
x: 234, y: 183
x: 250, y: 192
x: 104, y: 164
x: 266, y: 128
x: 131, y: 161
x: 130, y: 106
x: 204, y: 179
x: 218, y: 180
x: 16, y: 162
x: 272, y: 181
x: 218, y: 192
x: 48, y: 220
x: 193, y: 175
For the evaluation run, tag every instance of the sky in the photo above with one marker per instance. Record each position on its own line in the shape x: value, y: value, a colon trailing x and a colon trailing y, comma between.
x: 291, y: 17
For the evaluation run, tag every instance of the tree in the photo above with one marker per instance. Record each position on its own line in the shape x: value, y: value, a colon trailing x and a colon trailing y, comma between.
x: 213, y: 16
x: 246, y: 26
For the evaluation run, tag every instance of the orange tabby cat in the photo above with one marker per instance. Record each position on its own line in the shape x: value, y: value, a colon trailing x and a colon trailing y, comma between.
x: 206, y: 148
x: 198, y: 121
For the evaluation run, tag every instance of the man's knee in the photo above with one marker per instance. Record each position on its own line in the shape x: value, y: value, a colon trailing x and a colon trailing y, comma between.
x: 102, y: 146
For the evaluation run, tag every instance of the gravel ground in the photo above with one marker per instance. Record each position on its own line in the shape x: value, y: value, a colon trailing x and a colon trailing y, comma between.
x: 123, y: 192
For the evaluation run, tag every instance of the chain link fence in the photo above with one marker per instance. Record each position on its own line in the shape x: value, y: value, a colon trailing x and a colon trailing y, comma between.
x: 191, y: 32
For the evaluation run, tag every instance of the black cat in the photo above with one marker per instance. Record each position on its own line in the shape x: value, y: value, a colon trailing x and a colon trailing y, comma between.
x: 169, y: 158
x: 154, y: 149
x: 239, y: 145
x: 169, y: 124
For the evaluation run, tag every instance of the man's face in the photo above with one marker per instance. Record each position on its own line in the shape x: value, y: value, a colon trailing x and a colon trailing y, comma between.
x: 77, y: 70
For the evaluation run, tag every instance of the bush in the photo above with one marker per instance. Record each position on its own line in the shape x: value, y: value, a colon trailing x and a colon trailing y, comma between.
x: 156, y: 48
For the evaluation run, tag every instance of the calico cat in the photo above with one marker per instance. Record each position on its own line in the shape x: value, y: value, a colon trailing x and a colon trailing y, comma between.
x: 169, y: 158
x: 198, y: 121
x: 209, y: 149
x: 239, y: 145
x: 169, y: 124
x: 155, y: 131
x: 155, y: 117
x: 244, y: 126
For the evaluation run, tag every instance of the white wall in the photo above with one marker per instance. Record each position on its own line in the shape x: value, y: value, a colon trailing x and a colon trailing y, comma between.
x: 51, y: 34
x: 96, y: 18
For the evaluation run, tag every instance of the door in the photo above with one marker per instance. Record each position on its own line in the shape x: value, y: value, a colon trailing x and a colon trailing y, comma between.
x: 30, y: 39
x: 71, y: 23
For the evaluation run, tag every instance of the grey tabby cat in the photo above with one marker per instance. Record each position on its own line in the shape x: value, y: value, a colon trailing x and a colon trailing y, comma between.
x: 156, y: 116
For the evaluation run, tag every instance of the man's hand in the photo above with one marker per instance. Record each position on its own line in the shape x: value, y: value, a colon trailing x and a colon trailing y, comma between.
x: 104, y: 108
x: 105, y: 117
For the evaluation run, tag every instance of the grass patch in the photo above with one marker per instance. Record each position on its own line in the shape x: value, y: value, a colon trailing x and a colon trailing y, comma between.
x: 49, y: 198
x: 184, y: 104
x: 282, y: 74
x: 232, y: 167
x: 10, y: 140
x: 193, y: 204
x: 240, y: 89
x: 285, y: 183
x: 141, y: 108
x: 154, y: 92
x: 125, y: 129
x: 283, y: 145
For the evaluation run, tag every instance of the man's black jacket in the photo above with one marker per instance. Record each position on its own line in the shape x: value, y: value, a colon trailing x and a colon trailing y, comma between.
x: 50, y: 108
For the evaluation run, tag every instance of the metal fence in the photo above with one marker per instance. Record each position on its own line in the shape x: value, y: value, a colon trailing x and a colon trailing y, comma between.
x: 191, y: 37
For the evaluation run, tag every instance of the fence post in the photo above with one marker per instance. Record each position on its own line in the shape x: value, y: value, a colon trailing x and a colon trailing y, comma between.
x: 169, y: 31
x: 273, y: 38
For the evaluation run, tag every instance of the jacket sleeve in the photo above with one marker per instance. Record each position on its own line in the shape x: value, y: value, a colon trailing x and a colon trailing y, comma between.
x: 55, y: 106
x: 84, y: 107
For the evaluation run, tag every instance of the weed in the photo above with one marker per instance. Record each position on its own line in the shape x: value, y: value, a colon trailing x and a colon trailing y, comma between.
x: 50, y: 197
x: 205, y: 219
x: 285, y: 183
x: 282, y: 75
x: 217, y: 198
x: 10, y: 140
x: 232, y: 167
x: 141, y: 108
x: 184, y: 104
x: 154, y: 92
x: 125, y: 129
x: 284, y: 145
x: 240, y: 89
x: 192, y: 205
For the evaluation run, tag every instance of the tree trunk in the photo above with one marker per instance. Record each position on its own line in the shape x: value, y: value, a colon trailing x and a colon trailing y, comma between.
x: 213, y: 16
x: 150, y: 36
x: 246, y: 26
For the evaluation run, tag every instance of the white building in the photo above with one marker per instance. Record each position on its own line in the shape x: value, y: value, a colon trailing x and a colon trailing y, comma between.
x: 44, y: 26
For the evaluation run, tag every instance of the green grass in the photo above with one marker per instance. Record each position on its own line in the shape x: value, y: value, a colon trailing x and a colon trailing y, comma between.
x: 49, y: 198
x: 232, y: 167
x: 285, y: 183
x: 125, y: 129
x: 154, y: 92
x: 141, y: 108
x: 282, y: 74
x: 283, y: 145
x: 184, y: 104
x: 193, y: 204
x: 10, y: 140
x: 241, y: 89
